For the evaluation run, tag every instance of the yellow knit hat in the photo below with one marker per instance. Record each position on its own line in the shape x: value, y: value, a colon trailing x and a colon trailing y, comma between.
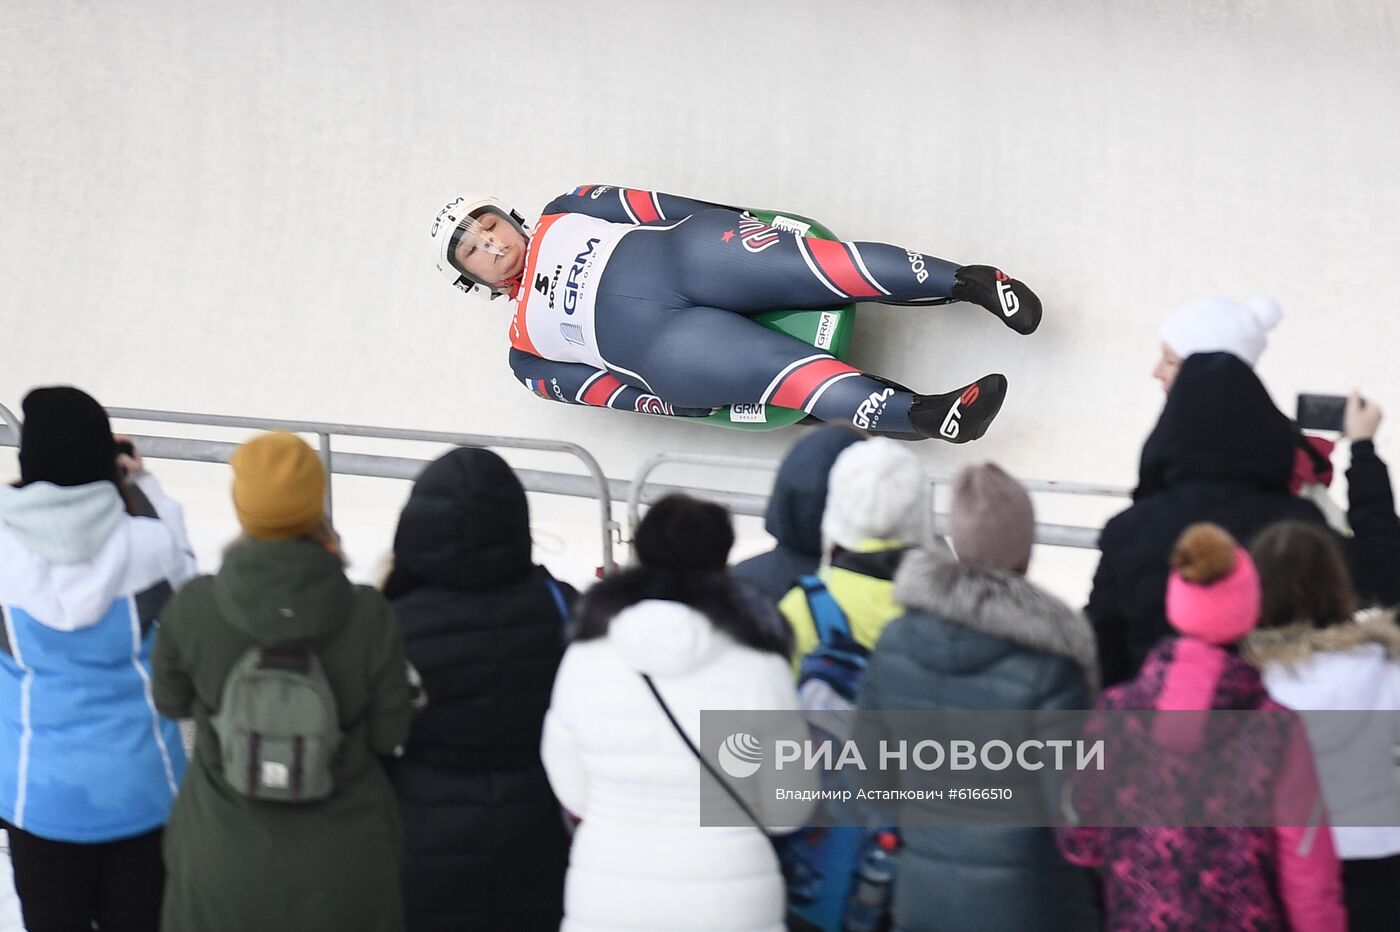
x: 279, y: 487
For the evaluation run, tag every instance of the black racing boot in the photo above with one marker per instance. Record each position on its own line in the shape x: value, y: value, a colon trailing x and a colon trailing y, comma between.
x: 960, y: 415
x: 1007, y: 298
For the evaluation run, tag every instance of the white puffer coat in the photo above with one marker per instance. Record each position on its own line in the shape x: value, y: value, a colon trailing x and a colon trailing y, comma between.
x: 640, y: 859
x: 1351, y: 669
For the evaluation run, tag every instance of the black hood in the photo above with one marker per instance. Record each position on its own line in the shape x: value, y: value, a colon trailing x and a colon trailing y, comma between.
x: 799, y: 490
x: 466, y: 526
x: 1219, y: 423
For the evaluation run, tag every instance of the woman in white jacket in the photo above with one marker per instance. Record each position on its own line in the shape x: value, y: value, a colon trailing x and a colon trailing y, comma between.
x: 88, y: 769
x: 640, y: 859
x: 1319, y: 655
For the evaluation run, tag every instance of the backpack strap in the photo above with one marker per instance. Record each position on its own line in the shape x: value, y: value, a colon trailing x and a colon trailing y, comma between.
x: 558, y: 595
x: 827, y: 616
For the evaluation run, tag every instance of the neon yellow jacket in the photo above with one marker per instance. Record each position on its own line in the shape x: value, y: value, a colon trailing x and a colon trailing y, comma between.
x: 862, y: 583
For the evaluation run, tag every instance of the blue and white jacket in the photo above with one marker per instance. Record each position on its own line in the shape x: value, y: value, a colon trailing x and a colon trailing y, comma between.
x: 84, y: 757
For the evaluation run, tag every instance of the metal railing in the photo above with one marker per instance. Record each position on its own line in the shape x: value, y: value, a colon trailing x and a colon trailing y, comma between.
x: 594, y: 485
x: 738, y: 502
x: 12, y: 426
x: 641, y: 490
x: 1056, y: 535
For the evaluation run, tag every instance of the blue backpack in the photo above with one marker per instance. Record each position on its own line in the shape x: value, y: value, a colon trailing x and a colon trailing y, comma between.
x: 819, y: 863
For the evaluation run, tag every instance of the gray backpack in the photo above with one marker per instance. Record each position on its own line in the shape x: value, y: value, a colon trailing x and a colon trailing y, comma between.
x: 278, y: 726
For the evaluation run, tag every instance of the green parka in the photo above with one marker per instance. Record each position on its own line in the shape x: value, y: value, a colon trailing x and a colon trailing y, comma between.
x: 236, y: 864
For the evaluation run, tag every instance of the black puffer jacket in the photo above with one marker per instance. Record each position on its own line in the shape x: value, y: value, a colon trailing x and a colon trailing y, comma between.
x: 794, y: 515
x: 981, y: 639
x: 485, y: 842
x: 1221, y: 452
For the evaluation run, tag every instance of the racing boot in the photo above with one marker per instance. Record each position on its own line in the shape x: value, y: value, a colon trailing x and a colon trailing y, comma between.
x: 1007, y: 298
x: 961, y: 415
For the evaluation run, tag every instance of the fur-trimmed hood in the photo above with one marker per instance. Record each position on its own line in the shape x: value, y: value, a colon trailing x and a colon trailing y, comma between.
x: 1345, y: 666
x: 731, y: 606
x: 1293, y: 644
x: 1002, y: 605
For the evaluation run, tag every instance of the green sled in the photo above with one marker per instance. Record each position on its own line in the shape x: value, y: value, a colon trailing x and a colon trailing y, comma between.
x: 828, y: 330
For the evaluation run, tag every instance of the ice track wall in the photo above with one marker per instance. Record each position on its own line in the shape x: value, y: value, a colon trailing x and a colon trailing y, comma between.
x: 224, y: 206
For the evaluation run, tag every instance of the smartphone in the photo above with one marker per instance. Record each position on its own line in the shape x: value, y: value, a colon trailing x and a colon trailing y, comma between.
x: 1321, y: 412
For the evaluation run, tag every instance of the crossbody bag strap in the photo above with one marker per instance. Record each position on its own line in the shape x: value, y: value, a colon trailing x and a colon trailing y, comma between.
x: 733, y: 794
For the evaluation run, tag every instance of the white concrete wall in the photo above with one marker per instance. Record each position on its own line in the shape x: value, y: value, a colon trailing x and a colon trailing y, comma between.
x: 224, y: 206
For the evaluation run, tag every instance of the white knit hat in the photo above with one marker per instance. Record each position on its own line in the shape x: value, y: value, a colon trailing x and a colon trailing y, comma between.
x: 1222, y: 325
x: 876, y: 489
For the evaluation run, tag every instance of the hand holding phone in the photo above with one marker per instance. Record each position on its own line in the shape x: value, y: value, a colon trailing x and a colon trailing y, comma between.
x: 1362, y: 418
x: 129, y: 461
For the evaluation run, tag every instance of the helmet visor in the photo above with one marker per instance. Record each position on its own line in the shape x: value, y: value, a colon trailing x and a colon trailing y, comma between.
x: 488, y: 247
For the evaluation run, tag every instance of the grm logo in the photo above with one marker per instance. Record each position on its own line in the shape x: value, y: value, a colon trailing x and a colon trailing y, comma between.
x: 826, y: 330
x: 871, y: 409
x: 445, y: 213
x: 740, y: 755
x: 571, y: 283
x: 789, y: 225
x: 747, y: 413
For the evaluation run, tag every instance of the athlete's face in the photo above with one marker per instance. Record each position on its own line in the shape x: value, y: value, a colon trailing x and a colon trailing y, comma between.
x: 492, y: 249
x: 1167, y: 368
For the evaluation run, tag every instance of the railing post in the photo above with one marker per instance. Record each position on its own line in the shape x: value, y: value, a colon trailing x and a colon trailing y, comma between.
x: 930, y: 527
x: 9, y: 418
x: 612, y: 531
x: 330, y: 476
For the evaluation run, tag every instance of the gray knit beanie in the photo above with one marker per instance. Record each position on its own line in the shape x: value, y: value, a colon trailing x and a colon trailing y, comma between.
x: 992, y: 519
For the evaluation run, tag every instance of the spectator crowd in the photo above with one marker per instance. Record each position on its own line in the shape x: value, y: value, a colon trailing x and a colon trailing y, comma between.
x: 474, y: 745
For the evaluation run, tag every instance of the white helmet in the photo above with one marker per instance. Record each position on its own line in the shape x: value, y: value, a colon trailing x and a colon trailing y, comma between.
x: 457, y: 220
